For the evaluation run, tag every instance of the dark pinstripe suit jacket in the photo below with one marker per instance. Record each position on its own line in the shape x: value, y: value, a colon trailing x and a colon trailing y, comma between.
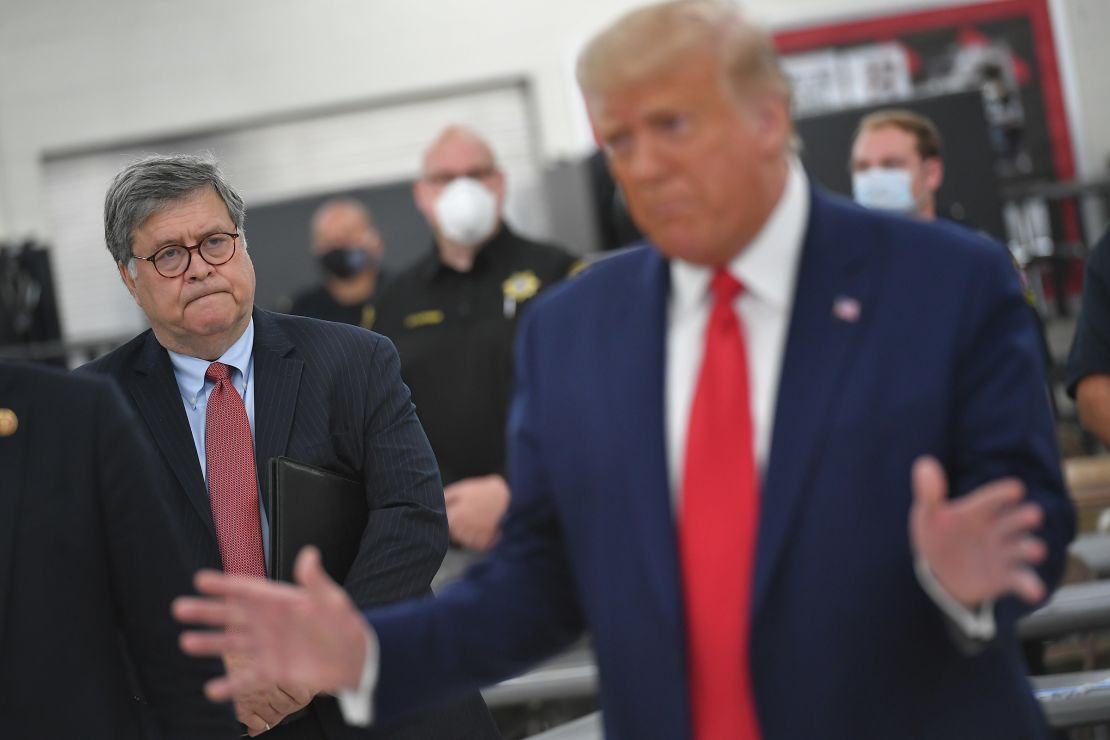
x: 88, y: 555
x: 328, y: 395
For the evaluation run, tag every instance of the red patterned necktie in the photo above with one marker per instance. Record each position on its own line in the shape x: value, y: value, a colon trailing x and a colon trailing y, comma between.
x: 717, y: 530
x: 232, y: 481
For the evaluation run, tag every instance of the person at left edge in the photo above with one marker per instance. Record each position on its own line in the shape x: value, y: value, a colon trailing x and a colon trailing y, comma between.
x: 736, y: 536
x: 90, y: 565
x: 321, y: 393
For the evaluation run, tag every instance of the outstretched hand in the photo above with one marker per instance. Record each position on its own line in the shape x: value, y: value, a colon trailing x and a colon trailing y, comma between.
x: 981, y: 546
x: 309, y: 634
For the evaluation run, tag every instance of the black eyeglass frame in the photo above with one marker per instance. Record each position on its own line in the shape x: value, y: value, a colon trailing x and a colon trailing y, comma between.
x: 189, y: 253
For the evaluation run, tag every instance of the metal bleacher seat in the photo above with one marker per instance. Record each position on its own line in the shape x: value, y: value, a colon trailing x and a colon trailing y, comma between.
x: 1088, y: 481
x: 586, y: 728
x: 1083, y: 697
x: 1074, y: 699
x: 1094, y: 551
x: 1078, y: 607
x: 571, y: 675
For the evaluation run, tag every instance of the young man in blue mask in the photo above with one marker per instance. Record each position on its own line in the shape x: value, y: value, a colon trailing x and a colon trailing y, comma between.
x: 897, y: 166
x: 896, y: 163
x: 349, y: 250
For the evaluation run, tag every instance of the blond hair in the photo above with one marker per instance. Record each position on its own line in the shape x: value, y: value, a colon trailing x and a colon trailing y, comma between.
x: 644, y: 43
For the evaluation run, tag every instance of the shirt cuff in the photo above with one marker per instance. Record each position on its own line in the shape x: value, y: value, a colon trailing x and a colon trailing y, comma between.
x: 357, y: 705
x: 975, y: 625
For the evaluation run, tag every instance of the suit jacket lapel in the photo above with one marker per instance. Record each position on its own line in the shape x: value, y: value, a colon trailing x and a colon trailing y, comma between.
x: 154, y: 389
x: 634, y: 410
x: 834, y: 282
x: 13, y: 461
x: 277, y: 379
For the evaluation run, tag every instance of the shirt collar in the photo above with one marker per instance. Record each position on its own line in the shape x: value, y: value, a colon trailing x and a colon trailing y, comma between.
x: 190, y: 370
x: 767, y: 267
x: 487, y: 251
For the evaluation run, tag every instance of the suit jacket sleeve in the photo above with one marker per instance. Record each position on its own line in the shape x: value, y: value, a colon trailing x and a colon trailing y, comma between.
x: 406, y: 531
x: 148, y: 571
x: 1002, y: 420
x: 513, y: 609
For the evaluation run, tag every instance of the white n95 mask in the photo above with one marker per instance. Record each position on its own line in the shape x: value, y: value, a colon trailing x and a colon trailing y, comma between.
x: 884, y: 189
x: 466, y: 212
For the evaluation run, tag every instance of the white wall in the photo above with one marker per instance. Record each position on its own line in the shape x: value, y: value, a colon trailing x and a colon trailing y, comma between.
x: 76, y: 74
x: 1084, y: 54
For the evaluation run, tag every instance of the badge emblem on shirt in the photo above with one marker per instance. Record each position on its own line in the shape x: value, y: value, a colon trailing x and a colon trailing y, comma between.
x: 423, y: 318
x: 9, y: 422
x: 520, y: 286
x: 369, y: 316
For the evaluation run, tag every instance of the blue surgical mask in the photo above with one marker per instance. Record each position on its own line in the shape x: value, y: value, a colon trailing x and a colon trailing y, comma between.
x: 884, y: 189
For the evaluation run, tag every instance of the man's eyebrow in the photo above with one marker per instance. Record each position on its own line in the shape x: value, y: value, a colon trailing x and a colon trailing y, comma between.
x: 205, y: 234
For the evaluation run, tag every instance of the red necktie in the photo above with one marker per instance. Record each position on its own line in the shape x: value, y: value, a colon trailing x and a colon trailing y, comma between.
x: 232, y: 481
x: 717, y: 530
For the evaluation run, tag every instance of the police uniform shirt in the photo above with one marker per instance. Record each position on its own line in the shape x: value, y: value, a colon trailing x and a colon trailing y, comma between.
x: 318, y: 303
x: 1090, y: 349
x: 454, y: 332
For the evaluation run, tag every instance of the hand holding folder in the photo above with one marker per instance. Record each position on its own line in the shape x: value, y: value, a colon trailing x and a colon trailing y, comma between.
x: 313, y: 506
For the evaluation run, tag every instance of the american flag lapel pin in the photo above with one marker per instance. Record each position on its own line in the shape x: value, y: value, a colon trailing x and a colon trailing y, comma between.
x: 846, y: 309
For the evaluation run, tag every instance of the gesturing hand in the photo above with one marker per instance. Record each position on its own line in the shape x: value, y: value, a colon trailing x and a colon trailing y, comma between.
x: 305, y: 635
x: 980, y: 546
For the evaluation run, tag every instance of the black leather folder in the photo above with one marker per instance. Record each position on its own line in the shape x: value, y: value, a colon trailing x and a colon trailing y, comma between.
x: 313, y: 506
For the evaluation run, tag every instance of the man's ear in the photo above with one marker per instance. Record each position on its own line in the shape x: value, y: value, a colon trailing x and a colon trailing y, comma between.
x: 125, y: 276
x: 497, y: 186
x: 933, y: 173
x: 425, y: 202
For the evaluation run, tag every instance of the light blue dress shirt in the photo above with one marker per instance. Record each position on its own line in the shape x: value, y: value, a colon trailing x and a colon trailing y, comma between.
x: 195, y: 389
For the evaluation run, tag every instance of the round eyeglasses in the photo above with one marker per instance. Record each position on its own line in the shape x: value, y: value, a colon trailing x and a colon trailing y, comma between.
x: 174, y: 259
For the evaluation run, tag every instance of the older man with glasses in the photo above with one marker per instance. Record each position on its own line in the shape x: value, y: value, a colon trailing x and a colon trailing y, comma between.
x: 222, y: 387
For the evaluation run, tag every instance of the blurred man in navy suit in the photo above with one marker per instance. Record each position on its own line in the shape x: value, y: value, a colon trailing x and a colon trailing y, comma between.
x: 785, y: 437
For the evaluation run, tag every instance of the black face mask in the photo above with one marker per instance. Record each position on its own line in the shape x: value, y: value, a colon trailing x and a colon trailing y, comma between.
x: 346, y: 262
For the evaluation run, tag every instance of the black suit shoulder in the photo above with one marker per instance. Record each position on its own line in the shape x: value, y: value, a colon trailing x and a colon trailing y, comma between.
x: 552, y: 259
x: 121, y: 359
x: 56, y: 388
x: 313, y: 334
x: 90, y: 532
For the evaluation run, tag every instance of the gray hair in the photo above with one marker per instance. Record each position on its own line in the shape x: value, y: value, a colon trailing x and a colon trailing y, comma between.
x: 152, y: 183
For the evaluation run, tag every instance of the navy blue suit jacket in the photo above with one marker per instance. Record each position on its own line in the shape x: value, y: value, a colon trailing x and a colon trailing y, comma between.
x: 328, y: 395
x: 89, y: 563
x: 942, y: 360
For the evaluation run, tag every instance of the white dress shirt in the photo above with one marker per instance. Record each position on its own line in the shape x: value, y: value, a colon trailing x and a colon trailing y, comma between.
x: 767, y: 268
